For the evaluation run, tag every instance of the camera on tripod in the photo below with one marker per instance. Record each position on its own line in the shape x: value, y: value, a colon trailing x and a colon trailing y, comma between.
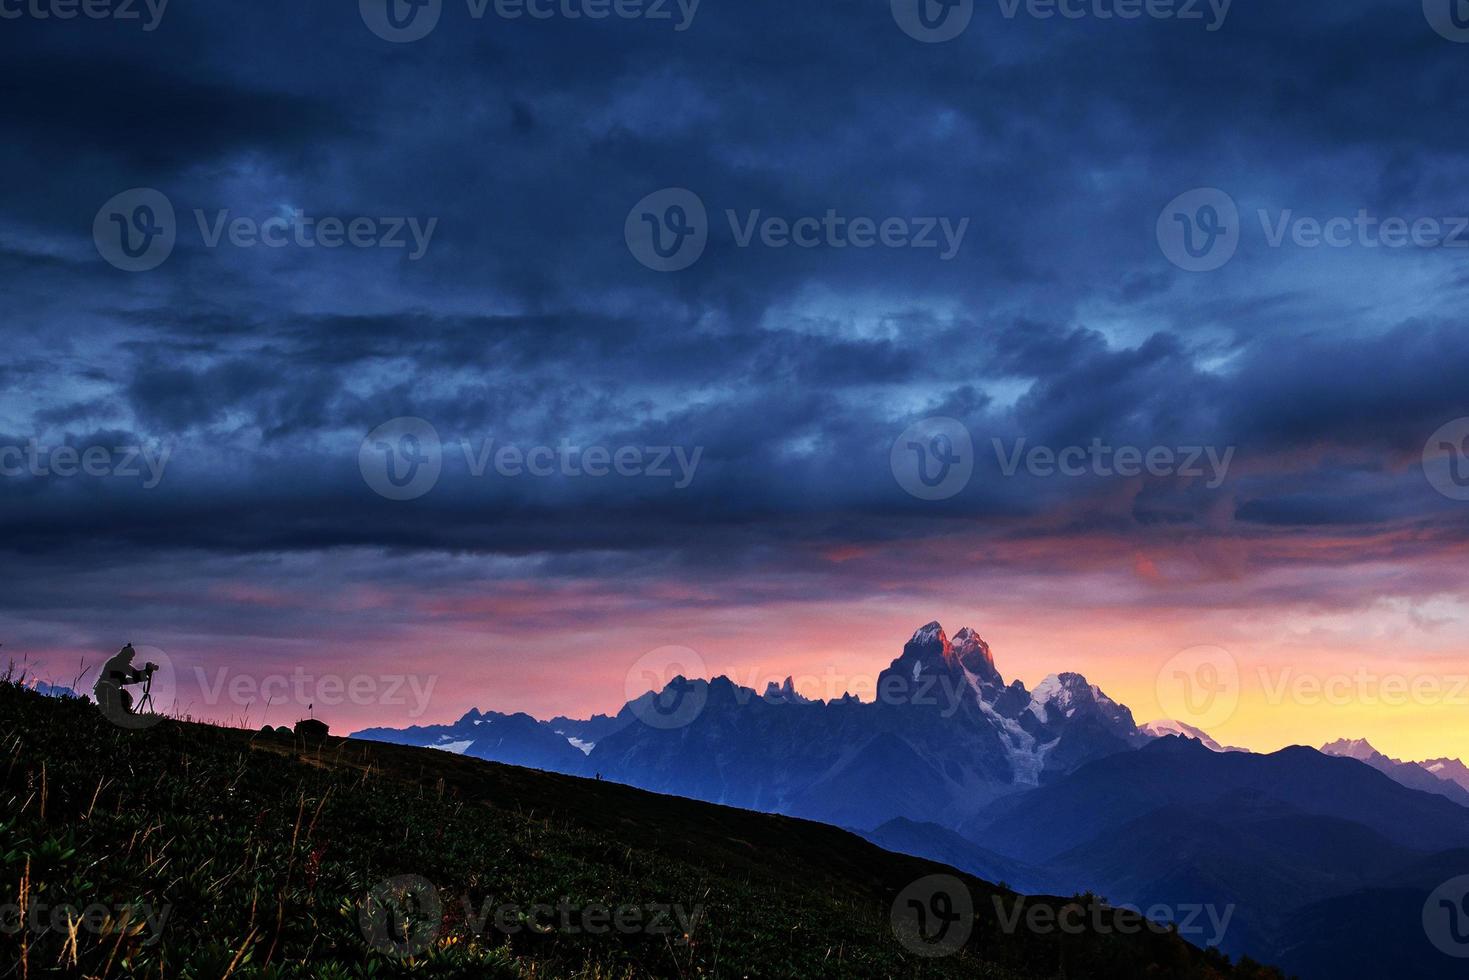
x: 150, y: 667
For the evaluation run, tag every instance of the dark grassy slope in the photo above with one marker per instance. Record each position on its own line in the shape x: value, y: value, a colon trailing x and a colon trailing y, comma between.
x: 262, y: 850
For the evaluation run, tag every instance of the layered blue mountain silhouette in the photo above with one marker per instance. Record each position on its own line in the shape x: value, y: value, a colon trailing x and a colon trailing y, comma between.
x: 1445, y: 777
x: 1053, y: 790
x: 945, y: 735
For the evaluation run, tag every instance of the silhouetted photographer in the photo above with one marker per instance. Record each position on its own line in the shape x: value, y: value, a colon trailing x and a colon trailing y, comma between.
x: 118, y: 674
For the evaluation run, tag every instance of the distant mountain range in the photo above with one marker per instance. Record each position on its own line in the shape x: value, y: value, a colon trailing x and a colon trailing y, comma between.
x: 1051, y: 790
x: 1446, y: 777
x: 945, y: 735
x: 1160, y: 729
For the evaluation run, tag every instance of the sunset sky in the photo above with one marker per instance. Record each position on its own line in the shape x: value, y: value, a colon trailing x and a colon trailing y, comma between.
x: 1327, y: 552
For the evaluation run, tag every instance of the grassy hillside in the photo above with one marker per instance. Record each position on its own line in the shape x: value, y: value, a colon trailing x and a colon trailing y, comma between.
x: 198, y: 852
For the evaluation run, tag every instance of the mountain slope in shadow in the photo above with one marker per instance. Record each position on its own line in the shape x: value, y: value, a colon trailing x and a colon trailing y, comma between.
x: 1276, y: 843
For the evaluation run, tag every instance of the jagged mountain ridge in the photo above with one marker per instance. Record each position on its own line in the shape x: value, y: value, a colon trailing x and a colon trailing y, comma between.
x: 1166, y: 726
x: 1444, y: 777
x: 944, y: 737
x: 516, y: 739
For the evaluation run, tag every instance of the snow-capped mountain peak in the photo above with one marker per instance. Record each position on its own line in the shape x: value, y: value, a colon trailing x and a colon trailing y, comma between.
x: 1063, y: 700
x: 1167, y: 726
x: 931, y: 634
x: 1065, y: 693
x: 1451, y: 770
x: 973, y: 654
x: 1046, y: 692
x: 1446, y: 777
x: 1356, y: 748
x: 967, y: 638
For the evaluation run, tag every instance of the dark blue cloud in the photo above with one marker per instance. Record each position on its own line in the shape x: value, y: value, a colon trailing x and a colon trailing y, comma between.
x: 529, y: 321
